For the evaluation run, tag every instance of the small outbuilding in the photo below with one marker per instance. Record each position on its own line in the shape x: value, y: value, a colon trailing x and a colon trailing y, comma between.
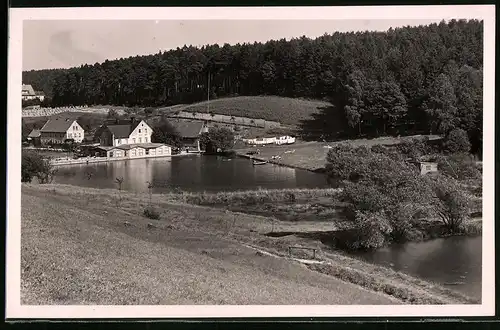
x: 286, y: 139
x: 426, y: 167
x: 34, y: 138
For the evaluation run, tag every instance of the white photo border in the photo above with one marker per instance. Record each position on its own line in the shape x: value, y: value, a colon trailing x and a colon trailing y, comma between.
x: 14, y: 309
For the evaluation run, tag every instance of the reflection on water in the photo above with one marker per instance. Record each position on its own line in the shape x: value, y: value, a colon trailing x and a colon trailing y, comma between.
x: 191, y: 173
x: 455, y: 262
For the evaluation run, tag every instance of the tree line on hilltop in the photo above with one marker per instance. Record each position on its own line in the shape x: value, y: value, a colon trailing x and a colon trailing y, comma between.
x: 424, y: 79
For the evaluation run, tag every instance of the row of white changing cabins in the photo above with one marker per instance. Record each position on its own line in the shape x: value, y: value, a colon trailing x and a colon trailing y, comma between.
x: 280, y: 140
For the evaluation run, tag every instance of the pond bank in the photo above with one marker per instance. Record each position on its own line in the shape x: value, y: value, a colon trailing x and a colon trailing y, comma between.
x: 92, y: 160
x: 214, y: 238
x: 279, y: 163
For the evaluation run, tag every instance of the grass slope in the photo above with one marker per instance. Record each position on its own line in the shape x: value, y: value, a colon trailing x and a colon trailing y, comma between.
x: 92, y: 246
x: 78, y: 254
x: 287, y: 111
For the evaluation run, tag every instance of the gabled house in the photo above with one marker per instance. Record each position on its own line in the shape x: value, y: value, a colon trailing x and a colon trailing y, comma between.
x: 59, y: 130
x: 190, y: 132
x: 116, y: 133
x: 28, y: 93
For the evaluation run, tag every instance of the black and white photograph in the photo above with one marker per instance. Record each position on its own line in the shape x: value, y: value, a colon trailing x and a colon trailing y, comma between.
x: 246, y: 162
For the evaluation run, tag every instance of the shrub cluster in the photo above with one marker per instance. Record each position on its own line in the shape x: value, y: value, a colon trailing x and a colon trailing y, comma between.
x: 151, y: 213
x: 388, y: 200
x: 35, y: 165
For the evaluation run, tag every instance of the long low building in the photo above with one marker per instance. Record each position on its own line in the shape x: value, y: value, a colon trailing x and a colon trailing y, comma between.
x: 139, y: 150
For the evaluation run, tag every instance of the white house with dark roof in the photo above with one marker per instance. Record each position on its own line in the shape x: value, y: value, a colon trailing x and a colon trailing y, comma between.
x: 61, y: 129
x: 124, y: 132
x: 28, y: 93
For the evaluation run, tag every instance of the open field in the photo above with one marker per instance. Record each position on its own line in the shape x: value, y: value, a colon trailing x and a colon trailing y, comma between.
x: 92, y: 246
x: 287, y: 111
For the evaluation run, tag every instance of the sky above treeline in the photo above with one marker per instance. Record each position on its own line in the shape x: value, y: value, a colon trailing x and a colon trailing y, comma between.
x: 49, y: 44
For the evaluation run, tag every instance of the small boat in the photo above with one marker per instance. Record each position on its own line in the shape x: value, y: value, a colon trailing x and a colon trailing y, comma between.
x: 258, y: 162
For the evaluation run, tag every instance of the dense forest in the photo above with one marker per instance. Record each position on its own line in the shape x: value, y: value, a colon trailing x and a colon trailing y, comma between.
x: 422, y: 79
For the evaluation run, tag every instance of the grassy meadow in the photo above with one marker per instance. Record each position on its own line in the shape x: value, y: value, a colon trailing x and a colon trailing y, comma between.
x: 287, y: 111
x: 88, y: 246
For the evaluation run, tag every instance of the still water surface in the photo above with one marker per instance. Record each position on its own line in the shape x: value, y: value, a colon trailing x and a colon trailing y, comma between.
x: 189, y: 173
x: 455, y: 262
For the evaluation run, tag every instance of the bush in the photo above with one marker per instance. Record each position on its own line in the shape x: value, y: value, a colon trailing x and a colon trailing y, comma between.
x: 33, y: 164
x: 372, y: 229
x: 413, y: 148
x: 290, y: 197
x: 457, y: 141
x: 451, y: 204
x: 217, y: 139
x: 385, y: 198
x: 460, y: 166
x: 151, y: 213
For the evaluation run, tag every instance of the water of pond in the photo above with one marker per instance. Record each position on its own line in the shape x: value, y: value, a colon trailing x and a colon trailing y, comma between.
x: 455, y: 262
x: 189, y: 173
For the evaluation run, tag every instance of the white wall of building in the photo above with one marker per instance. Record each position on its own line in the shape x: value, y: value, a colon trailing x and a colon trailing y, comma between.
x: 285, y: 140
x: 75, y: 132
x: 141, y: 134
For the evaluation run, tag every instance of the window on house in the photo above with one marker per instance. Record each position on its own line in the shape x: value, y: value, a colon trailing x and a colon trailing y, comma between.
x: 427, y: 167
x: 145, y: 139
x: 140, y: 140
x: 139, y: 130
x: 133, y: 140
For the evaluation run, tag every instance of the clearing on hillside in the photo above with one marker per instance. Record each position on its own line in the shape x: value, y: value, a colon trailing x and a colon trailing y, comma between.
x: 285, y: 110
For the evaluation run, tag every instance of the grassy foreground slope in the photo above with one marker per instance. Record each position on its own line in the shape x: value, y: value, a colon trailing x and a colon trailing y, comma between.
x: 78, y: 254
x: 93, y: 246
x: 287, y: 111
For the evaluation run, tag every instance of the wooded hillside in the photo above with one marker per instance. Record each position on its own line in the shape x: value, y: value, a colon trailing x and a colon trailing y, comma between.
x: 425, y: 79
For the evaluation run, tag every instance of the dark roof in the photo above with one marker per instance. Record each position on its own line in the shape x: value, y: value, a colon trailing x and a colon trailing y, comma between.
x: 58, y: 125
x: 122, y: 129
x: 187, y: 128
x: 34, y: 133
x: 40, y: 93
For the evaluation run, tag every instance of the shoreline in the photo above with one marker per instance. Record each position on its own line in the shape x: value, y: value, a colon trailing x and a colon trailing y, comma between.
x: 248, y: 229
x: 275, y: 162
x: 108, y: 160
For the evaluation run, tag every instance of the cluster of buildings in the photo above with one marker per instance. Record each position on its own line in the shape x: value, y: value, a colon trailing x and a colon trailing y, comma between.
x: 28, y: 93
x: 117, y: 138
